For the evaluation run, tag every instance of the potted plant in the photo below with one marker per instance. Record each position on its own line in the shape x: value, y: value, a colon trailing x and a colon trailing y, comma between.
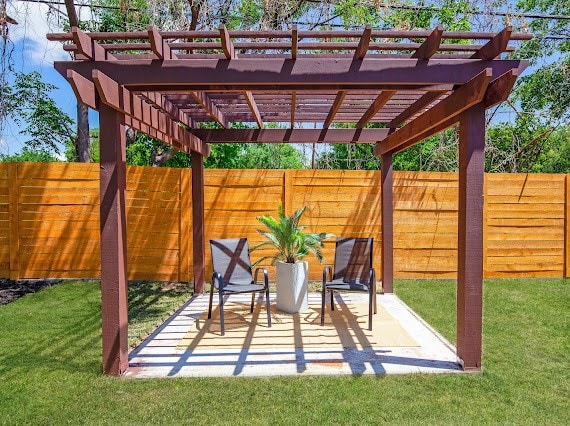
x: 292, y: 244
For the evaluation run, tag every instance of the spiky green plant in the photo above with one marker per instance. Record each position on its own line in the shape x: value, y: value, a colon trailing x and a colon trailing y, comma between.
x: 286, y: 235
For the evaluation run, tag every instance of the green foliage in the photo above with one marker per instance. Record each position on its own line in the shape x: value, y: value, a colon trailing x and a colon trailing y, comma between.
x: 349, y: 157
x: 94, y: 144
x: 555, y: 158
x: 226, y: 156
x: 28, y: 103
x: 286, y: 236
x: 117, y: 15
x: 29, y: 155
x: 272, y: 156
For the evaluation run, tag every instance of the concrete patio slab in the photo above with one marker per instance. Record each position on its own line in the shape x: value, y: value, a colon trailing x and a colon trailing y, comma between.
x: 166, y: 353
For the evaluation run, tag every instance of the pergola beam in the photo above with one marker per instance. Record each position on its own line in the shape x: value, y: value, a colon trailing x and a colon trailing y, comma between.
x: 282, y: 74
x: 87, y: 95
x: 210, y: 107
x: 89, y: 49
x: 293, y: 107
x: 122, y: 100
x: 430, y: 45
x: 294, y: 41
x: 230, y: 53
x: 469, y: 94
x: 417, y: 106
x: 378, y: 103
x: 290, y: 135
x: 497, y: 92
x: 364, y: 43
x: 159, y: 101
x: 157, y: 44
x: 495, y: 46
x: 334, y: 108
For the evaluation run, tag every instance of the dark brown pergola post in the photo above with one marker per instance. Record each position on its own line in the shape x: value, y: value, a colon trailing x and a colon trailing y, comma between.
x: 470, y: 238
x: 113, y: 241
x: 387, y: 224
x: 198, y: 243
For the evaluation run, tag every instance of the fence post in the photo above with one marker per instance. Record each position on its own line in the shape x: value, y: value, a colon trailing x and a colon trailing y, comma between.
x: 485, y: 230
x: 288, y: 191
x: 184, y: 223
x: 14, y: 214
x: 567, y: 226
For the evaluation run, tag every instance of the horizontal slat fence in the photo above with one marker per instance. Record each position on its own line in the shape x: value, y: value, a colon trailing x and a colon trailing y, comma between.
x: 49, y: 219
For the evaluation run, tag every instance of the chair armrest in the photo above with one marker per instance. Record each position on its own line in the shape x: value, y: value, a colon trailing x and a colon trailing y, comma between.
x: 325, y: 270
x: 265, y: 276
x: 217, y: 276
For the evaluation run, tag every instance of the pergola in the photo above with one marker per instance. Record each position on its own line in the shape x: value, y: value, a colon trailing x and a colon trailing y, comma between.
x: 415, y: 83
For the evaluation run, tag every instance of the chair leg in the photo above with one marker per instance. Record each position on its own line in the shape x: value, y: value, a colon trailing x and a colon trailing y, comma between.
x: 211, y: 299
x: 323, y: 293
x: 222, y: 313
x: 252, y: 301
x: 332, y: 300
x: 375, y: 298
x: 370, y: 307
x: 268, y: 307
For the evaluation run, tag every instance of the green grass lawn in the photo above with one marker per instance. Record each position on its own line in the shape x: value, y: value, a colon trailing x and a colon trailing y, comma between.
x: 50, y: 367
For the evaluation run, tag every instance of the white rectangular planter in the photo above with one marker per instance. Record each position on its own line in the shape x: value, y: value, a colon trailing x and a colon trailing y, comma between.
x: 292, y: 287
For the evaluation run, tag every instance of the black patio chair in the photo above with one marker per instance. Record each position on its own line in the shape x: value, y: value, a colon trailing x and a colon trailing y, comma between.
x: 233, y: 274
x: 353, y: 271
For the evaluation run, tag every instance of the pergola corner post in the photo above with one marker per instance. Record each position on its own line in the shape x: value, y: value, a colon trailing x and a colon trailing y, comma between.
x: 387, y: 205
x: 470, y: 237
x: 113, y: 218
x: 198, y: 241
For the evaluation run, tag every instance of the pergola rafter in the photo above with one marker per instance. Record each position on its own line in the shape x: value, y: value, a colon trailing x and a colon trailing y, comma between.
x: 408, y: 84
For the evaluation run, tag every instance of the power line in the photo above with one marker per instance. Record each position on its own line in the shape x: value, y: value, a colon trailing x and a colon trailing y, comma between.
x: 92, y: 6
x: 397, y: 7
x: 473, y: 12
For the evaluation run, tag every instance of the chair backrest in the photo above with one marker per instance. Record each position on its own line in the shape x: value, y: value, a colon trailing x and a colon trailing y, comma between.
x: 230, y: 258
x: 353, y: 260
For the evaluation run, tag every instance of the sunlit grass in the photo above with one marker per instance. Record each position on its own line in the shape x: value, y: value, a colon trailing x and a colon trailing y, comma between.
x: 50, y: 367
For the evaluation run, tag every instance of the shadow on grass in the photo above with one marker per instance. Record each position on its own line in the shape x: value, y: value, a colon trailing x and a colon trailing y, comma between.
x: 59, y: 328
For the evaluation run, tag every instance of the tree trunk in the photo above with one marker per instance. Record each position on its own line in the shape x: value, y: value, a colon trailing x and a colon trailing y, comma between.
x: 160, y: 156
x: 82, y: 142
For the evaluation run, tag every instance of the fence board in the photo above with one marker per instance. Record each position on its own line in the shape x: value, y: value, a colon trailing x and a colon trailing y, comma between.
x: 51, y: 213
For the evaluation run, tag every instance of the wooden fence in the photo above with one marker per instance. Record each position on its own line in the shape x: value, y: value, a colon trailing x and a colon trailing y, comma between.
x: 49, y: 218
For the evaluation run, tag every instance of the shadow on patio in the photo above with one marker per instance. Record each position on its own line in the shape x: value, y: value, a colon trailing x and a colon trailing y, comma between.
x: 188, y: 344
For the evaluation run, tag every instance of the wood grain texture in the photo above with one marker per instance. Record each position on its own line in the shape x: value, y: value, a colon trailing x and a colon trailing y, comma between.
x: 525, y: 234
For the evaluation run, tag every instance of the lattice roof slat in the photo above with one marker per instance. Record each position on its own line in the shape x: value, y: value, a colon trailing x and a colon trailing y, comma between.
x: 318, y: 77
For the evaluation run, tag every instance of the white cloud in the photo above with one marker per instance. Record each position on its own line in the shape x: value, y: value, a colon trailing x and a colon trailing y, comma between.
x: 35, y: 21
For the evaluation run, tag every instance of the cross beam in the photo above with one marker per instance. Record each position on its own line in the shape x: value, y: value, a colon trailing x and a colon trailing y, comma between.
x: 467, y: 95
x: 497, y: 92
x: 122, y: 100
x: 290, y: 135
x: 277, y: 74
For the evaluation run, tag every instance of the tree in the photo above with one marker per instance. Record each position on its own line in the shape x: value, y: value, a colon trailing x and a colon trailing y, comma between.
x: 81, y: 143
x: 29, y: 155
x: 546, y: 91
x: 28, y: 103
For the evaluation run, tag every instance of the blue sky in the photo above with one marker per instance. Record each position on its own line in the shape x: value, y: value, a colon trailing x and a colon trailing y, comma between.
x: 33, y: 52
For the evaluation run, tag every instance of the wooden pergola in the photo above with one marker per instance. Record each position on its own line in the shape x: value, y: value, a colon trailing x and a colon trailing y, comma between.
x: 415, y: 83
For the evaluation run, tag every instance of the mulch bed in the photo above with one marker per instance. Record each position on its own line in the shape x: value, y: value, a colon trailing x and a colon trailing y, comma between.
x: 13, y: 290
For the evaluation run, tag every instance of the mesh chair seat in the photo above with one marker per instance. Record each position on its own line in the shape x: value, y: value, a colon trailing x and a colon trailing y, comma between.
x: 340, y: 285
x: 352, y: 272
x: 232, y: 275
x: 240, y: 288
